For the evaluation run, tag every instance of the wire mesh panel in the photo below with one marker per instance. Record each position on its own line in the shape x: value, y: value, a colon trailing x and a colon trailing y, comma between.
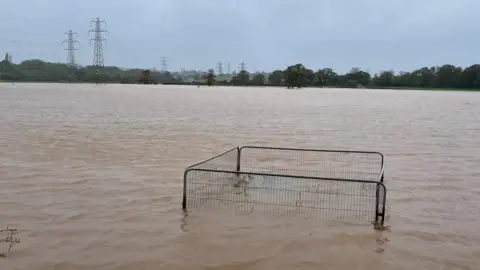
x: 367, y: 166
x: 340, y: 185
x: 282, y: 195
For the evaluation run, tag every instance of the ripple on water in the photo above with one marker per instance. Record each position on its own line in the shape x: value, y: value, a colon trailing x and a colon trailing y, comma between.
x: 92, y: 176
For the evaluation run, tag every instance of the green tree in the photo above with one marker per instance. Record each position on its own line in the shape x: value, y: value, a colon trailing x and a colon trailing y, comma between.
x: 8, y: 72
x: 276, y: 78
x: 210, y: 77
x: 146, y: 77
x: 309, y: 77
x: 423, y: 77
x: 325, y: 76
x: 385, y: 79
x: 242, y: 78
x: 470, y: 77
x: 258, y: 79
x: 448, y: 76
x: 357, y: 77
x: 295, y: 76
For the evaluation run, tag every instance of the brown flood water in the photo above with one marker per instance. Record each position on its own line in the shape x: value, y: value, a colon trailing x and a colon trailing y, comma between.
x: 92, y: 176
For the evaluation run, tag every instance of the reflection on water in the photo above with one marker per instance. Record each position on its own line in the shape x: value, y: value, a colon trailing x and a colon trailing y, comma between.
x: 92, y: 176
x: 184, y: 223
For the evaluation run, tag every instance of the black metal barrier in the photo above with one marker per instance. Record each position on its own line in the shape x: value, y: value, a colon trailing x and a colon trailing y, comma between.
x: 328, y: 184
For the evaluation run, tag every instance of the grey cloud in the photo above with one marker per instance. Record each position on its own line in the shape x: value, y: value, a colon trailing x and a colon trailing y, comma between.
x: 266, y: 34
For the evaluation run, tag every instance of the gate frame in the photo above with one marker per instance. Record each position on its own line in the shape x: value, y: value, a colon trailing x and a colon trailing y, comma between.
x: 379, y: 213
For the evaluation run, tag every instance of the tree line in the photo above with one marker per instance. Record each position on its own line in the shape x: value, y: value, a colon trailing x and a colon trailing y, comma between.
x: 297, y: 76
x: 294, y: 76
x: 40, y: 71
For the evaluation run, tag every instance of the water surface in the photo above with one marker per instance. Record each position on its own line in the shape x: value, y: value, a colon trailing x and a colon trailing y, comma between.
x: 92, y: 176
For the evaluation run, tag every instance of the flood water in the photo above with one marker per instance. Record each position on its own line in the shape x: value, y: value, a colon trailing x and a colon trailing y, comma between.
x: 92, y: 176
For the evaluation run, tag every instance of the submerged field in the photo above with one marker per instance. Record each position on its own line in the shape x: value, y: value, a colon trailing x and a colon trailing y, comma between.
x: 92, y: 176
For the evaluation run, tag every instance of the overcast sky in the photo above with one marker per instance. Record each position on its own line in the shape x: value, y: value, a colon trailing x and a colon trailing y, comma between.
x: 195, y: 34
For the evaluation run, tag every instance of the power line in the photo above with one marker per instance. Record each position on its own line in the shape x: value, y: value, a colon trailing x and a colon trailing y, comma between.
x: 242, y: 66
x: 219, y: 68
x: 98, y: 40
x: 163, y: 63
x: 71, y: 41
